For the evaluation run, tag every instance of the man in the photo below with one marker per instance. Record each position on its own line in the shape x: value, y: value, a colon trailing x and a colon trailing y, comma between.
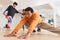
x: 27, y: 24
x: 33, y: 19
x: 11, y: 12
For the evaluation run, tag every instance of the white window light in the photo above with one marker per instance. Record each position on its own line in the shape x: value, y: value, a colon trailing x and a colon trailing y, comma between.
x: 1, y: 5
x: 14, y: 0
x: 58, y: 13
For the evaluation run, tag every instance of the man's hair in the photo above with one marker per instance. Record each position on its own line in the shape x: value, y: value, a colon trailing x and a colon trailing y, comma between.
x: 15, y: 3
x: 23, y: 10
x: 29, y: 9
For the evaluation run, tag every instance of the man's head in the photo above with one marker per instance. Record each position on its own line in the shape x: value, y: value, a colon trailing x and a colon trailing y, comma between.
x: 28, y: 12
x: 15, y: 4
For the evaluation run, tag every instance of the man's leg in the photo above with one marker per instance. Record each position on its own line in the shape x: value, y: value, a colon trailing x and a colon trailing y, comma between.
x: 27, y: 26
x: 23, y: 28
x: 7, y: 17
x: 38, y: 27
x: 9, y: 22
x: 50, y: 28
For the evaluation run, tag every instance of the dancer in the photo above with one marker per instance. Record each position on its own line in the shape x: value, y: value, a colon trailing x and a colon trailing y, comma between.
x: 11, y: 12
x: 32, y: 17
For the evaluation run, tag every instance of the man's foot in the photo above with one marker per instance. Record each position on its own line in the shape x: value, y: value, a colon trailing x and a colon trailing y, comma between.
x: 6, y: 26
x: 38, y: 30
x: 34, y: 31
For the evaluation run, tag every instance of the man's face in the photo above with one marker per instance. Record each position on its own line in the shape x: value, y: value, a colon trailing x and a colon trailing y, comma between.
x: 23, y: 12
x: 28, y: 14
x: 14, y: 5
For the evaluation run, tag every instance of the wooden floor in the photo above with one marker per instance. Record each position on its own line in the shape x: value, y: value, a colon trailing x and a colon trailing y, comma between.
x: 43, y: 35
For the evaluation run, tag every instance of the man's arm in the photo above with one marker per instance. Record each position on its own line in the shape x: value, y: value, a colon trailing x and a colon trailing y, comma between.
x: 33, y: 24
x: 7, y: 9
x: 19, y: 12
x: 22, y: 22
x: 30, y: 29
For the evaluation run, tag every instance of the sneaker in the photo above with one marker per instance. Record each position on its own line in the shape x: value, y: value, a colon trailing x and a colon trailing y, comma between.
x: 6, y: 26
x: 38, y: 30
x: 34, y: 31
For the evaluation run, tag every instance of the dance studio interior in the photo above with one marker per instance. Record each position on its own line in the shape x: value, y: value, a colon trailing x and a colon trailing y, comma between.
x: 43, y: 17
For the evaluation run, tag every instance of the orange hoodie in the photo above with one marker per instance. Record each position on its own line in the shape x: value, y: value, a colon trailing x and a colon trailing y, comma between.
x: 34, y: 20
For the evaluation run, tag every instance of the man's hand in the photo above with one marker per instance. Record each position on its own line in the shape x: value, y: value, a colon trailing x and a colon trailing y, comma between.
x: 10, y: 35
x: 24, y: 36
